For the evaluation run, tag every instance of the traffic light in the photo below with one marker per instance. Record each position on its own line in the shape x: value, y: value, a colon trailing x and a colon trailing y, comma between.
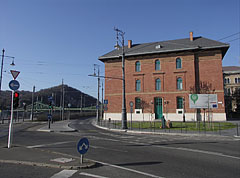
x: 50, y: 104
x: 15, y: 100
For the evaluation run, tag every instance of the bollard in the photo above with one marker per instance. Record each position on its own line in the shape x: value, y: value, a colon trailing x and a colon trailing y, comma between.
x: 237, y: 130
x: 49, y: 123
x: 219, y: 128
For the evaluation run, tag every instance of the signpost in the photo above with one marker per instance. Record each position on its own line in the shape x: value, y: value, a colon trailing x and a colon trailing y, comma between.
x: 131, y: 110
x: 82, y: 147
x: 13, y: 85
x: 203, y: 101
x: 49, y: 120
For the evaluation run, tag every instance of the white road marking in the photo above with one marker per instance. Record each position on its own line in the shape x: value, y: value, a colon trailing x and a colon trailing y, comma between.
x: 198, y: 151
x: 50, y: 144
x: 62, y: 160
x: 184, y: 149
x: 130, y: 170
x: 101, y: 138
x: 64, y: 174
x: 91, y: 175
x: 99, y: 147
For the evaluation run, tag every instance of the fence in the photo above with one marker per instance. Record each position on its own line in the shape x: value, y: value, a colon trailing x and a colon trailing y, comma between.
x: 21, y: 115
x: 217, y: 128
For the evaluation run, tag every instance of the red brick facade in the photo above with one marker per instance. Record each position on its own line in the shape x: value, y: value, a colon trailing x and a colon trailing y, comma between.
x: 202, y: 67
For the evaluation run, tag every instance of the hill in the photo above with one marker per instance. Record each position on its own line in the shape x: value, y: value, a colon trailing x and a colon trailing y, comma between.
x: 72, y: 96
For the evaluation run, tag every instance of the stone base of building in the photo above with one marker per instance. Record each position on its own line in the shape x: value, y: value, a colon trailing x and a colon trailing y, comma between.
x: 170, y: 116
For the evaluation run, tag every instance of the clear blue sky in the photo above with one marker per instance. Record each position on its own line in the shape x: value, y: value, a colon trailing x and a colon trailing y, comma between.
x: 53, y: 40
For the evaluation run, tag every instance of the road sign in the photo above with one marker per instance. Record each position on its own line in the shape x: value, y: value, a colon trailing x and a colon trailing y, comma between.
x: 14, y: 85
x: 105, y: 108
x: 131, y: 104
x: 49, y: 116
x: 83, y: 146
x: 50, y: 98
x: 14, y: 73
x: 105, y: 102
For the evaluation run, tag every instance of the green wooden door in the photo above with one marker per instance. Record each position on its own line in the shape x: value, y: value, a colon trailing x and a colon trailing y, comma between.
x: 158, y: 108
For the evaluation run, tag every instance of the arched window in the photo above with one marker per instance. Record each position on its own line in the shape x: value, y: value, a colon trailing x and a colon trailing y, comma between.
x: 158, y: 84
x: 138, y: 66
x: 157, y: 65
x: 138, y: 85
x: 178, y: 63
x: 179, y: 83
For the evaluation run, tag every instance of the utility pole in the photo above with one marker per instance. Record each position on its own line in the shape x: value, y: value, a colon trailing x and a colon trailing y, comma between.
x: 3, y: 56
x: 3, y: 51
x: 98, y: 113
x: 102, y: 103
x: 32, y: 111
x: 124, y: 114
x: 63, y: 93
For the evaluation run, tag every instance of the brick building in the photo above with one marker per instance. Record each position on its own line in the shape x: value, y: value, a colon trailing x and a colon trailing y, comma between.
x: 231, y: 77
x: 160, y: 76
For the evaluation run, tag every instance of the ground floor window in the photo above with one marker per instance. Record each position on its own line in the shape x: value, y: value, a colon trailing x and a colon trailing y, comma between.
x: 138, y: 103
x: 179, y: 102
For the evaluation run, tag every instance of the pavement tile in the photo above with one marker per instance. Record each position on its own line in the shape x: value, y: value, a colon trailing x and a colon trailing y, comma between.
x: 18, y: 154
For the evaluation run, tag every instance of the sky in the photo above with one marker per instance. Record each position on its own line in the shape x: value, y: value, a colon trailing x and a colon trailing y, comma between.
x: 55, y: 40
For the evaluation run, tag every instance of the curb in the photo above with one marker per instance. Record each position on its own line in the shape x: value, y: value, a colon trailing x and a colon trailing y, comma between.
x: 75, y: 164
x: 66, y: 129
x: 30, y: 163
x: 160, y: 133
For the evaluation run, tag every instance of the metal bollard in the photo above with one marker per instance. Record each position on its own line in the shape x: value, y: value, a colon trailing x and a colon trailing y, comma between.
x: 237, y: 130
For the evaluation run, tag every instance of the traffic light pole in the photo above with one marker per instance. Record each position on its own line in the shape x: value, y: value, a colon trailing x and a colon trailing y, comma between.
x: 10, y: 125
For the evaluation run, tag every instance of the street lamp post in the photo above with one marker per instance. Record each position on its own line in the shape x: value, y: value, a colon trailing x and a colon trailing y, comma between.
x: 3, y: 51
x: 124, y: 114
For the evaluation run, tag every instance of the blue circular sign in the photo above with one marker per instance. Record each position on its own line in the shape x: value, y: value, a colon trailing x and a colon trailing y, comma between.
x: 83, y: 146
x: 14, y: 85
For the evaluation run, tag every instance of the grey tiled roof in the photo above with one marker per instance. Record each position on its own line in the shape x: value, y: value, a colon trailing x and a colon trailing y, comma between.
x: 166, y: 47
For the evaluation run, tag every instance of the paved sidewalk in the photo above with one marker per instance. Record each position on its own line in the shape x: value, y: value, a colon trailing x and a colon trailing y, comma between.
x: 32, y: 156
x: 59, y: 126
x: 18, y: 154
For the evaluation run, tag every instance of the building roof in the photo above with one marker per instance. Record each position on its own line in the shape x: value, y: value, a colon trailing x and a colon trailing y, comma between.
x: 198, y: 43
x: 231, y: 69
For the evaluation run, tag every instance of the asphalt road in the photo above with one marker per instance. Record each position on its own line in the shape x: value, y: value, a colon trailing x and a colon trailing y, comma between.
x: 121, y: 154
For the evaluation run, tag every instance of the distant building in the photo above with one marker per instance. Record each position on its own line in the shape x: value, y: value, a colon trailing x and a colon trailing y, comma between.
x: 161, y: 75
x: 231, y: 76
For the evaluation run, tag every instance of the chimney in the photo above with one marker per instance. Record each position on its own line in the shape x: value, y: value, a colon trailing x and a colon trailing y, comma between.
x: 129, y: 43
x: 191, y: 36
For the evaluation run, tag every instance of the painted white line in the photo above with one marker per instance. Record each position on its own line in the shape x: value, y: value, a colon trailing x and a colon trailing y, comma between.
x: 101, y: 138
x: 130, y: 170
x: 62, y: 160
x: 199, y: 151
x: 64, y: 174
x: 184, y: 149
x: 91, y: 175
x: 50, y: 144
x: 99, y: 147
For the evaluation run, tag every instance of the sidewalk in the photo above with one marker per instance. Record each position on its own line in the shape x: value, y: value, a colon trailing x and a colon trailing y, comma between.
x: 32, y: 156
x: 18, y: 154
x: 59, y: 126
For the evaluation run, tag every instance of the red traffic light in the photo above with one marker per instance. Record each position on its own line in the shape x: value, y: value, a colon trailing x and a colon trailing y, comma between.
x: 16, y: 94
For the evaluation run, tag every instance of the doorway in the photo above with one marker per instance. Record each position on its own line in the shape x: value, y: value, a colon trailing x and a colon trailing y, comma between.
x: 158, y: 108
